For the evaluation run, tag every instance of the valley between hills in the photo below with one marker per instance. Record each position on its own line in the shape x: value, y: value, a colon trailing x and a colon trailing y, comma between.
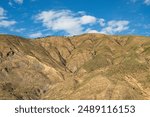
x: 84, y: 67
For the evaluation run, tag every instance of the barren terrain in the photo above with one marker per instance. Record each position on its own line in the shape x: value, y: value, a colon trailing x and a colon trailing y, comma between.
x: 89, y: 66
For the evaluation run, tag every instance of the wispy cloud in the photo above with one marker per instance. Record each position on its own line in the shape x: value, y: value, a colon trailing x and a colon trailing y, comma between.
x: 112, y: 27
x: 102, y: 22
x: 4, y: 22
x: 147, y: 2
x: 18, y: 1
x: 12, y: 2
x: 92, y: 31
x: 2, y: 13
x: 115, y: 26
x: 19, y: 30
x: 65, y: 20
x: 35, y: 35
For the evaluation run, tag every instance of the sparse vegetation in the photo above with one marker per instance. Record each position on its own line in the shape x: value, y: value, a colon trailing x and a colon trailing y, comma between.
x: 90, y: 66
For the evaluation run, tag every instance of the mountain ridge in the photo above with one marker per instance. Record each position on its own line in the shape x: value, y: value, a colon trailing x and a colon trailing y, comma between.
x: 88, y: 66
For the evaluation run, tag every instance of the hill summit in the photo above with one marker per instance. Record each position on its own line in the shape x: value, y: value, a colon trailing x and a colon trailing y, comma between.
x: 89, y: 66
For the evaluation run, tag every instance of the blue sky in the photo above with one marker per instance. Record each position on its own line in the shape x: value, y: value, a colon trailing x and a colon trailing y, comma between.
x: 38, y: 18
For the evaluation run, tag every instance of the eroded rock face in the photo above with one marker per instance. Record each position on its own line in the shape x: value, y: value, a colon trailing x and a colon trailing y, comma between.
x: 90, y: 66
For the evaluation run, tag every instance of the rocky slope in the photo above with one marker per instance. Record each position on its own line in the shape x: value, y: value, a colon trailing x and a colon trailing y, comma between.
x: 89, y: 66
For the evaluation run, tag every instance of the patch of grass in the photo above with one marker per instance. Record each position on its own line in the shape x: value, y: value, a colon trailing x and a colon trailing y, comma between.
x: 99, y: 61
x: 147, y: 51
x: 129, y: 65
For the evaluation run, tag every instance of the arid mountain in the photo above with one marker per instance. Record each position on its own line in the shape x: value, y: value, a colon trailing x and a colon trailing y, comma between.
x: 89, y: 66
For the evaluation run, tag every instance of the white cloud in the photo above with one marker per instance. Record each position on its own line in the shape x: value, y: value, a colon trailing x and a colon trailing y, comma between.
x: 102, y: 22
x: 65, y: 20
x: 76, y: 23
x: 93, y: 31
x: 5, y: 23
x: 115, y: 26
x: 147, y: 2
x: 87, y: 19
x: 2, y: 13
x: 111, y: 27
x: 35, y: 35
x: 18, y: 1
x: 3, y: 19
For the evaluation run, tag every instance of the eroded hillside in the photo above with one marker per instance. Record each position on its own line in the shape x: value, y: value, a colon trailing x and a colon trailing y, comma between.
x: 89, y: 66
